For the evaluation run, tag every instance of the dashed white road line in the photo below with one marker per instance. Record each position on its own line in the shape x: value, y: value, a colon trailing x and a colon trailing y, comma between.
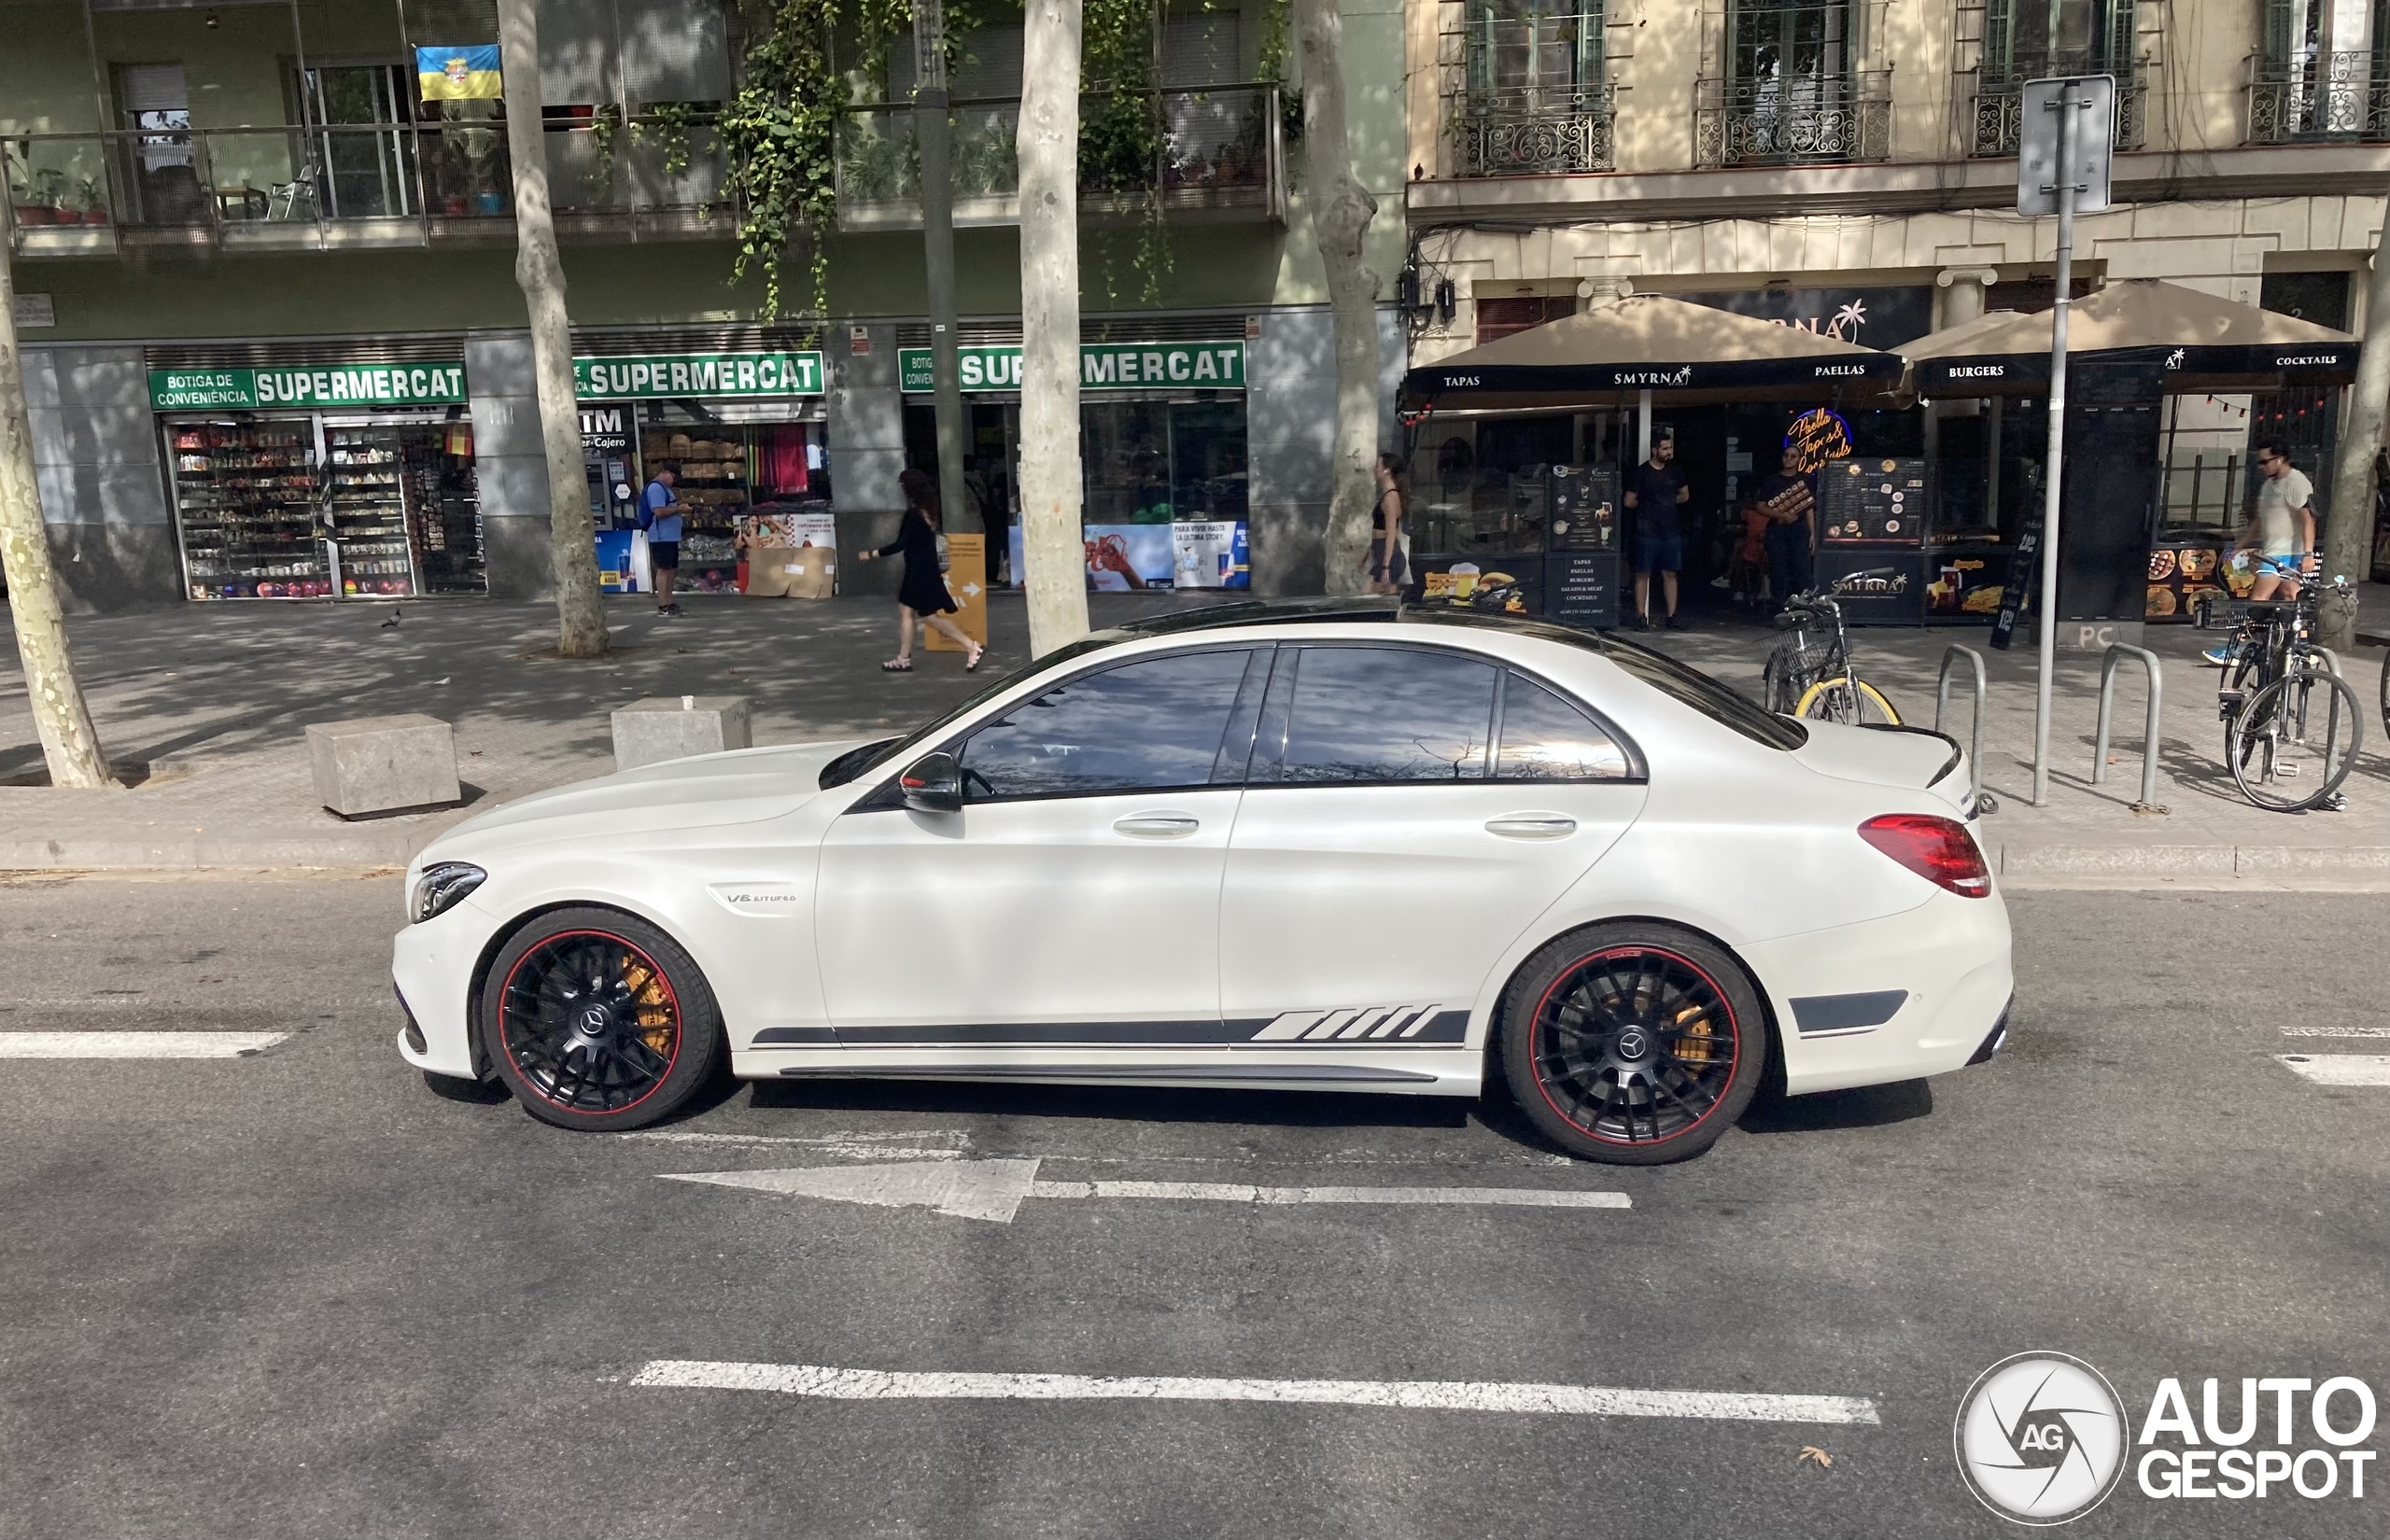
x: 993, y: 1189
x: 925, y: 1144
x: 821, y: 1380
x: 2336, y: 1032
x: 2340, y: 1069
x: 1237, y: 1192
x: 135, y: 1045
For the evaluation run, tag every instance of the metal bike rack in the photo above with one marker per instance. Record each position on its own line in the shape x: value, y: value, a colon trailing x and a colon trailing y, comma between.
x: 2109, y: 661
x: 1942, y: 707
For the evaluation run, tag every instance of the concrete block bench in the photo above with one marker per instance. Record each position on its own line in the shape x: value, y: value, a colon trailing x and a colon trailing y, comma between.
x: 673, y: 727
x: 384, y: 764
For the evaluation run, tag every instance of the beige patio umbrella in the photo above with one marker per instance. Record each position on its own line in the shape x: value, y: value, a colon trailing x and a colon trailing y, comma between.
x: 2201, y: 341
x: 1681, y: 351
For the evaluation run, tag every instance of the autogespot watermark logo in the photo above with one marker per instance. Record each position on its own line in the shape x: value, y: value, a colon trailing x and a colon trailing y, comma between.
x: 2043, y: 1438
x: 2040, y: 1438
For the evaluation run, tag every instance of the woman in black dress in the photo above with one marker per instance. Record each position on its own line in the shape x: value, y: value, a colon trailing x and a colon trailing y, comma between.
x: 923, y: 593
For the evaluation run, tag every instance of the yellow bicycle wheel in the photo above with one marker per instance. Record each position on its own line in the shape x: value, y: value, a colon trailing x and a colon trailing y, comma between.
x: 1845, y: 699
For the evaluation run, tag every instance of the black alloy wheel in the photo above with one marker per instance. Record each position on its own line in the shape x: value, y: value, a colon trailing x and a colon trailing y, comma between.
x: 597, y: 1021
x: 1633, y: 1043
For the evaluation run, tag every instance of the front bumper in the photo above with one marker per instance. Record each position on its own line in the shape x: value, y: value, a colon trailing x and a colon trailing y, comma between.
x: 431, y: 965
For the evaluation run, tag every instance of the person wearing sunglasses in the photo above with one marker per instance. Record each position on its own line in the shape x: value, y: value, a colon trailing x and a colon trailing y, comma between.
x: 2281, y: 536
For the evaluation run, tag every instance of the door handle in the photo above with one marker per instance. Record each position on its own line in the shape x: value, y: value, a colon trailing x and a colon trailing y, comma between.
x: 1157, y: 826
x: 1531, y: 826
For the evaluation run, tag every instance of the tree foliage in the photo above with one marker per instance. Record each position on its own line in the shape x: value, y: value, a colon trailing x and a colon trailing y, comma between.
x: 808, y: 60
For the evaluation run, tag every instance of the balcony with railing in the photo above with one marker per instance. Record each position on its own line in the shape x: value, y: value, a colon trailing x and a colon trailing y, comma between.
x: 2320, y: 97
x: 352, y: 187
x: 1527, y: 89
x: 1808, y: 119
x: 1997, y: 111
x: 1218, y: 153
x: 1534, y: 133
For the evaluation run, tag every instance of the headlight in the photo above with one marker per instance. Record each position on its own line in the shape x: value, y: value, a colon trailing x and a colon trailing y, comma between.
x: 440, y: 886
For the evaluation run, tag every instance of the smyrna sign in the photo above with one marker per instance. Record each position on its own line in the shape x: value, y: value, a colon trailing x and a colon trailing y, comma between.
x: 1871, y: 317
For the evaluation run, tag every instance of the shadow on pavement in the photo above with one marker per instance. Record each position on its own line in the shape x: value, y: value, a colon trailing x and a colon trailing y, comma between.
x: 1126, y: 1104
x: 1866, y: 1107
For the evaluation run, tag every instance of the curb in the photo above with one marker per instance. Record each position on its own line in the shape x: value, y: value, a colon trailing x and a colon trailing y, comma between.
x: 361, y: 850
x: 2278, y: 862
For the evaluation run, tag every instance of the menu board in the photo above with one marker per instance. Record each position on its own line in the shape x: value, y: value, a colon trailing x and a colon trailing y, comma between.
x: 2181, y: 575
x: 1964, y: 586
x: 1581, y: 588
x: 1584, y: 508
x: 1876, y: 500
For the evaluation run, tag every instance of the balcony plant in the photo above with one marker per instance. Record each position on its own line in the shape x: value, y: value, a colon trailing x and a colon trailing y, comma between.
x: 96, y: 200
x: 49, y: 191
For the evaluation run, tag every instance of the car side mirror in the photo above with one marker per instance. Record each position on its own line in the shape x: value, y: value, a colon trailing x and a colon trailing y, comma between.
x: 933, y: 784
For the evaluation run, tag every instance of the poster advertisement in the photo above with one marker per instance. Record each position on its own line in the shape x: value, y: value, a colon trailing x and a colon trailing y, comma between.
x: 1211, y: 553
x: 966, y: 579
x: 1121, y: 558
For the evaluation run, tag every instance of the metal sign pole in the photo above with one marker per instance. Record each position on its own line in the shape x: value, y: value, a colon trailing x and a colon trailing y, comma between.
x: 2069, y: 110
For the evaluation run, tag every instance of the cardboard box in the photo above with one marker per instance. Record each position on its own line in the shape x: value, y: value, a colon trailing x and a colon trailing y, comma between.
x: 790, y: 572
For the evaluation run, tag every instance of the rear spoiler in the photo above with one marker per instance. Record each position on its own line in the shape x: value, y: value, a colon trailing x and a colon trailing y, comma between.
x: 1956, y: 753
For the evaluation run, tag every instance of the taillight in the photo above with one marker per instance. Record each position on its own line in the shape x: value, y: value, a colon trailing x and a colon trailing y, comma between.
x: 1940, y: 850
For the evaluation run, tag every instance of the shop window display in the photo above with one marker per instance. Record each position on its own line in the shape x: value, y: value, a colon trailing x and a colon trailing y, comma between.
x: 312, y: 506
x: 750, y: 480
x: 245, y: 493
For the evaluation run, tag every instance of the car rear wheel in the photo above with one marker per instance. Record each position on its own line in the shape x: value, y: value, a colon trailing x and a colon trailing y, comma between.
x: 596, y: 1019
x: 1633, y: 1043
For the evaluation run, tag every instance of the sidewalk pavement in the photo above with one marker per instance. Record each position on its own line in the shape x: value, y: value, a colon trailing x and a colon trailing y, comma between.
x: 208, y: 705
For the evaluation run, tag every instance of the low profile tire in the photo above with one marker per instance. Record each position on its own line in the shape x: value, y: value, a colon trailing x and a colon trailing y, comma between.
x: 1634, y: 1045
x: 598, y: 1020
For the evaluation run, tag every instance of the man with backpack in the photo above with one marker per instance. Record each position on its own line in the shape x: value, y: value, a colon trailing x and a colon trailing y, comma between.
x: 659, y: 514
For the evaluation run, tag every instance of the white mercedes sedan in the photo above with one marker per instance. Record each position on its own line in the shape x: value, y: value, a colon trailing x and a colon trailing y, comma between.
x: 1325, y: 846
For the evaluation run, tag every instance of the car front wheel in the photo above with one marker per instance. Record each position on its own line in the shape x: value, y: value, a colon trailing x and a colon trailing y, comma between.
x: 596, y: 1019
x: 1633, y: 1043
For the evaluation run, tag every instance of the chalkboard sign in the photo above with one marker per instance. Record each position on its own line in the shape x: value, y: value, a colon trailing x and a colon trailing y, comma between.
x: 1581, y: 588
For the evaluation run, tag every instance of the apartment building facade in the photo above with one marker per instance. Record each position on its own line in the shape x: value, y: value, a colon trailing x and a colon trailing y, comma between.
x: 1850, y: 166
x: 274, y: 350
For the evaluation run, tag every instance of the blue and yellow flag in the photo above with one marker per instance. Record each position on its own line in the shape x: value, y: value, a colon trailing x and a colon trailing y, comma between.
x: 458, y: 74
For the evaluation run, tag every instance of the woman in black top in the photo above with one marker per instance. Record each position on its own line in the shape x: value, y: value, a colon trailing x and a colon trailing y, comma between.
x: 924, y: 590
x: 1384, y: 562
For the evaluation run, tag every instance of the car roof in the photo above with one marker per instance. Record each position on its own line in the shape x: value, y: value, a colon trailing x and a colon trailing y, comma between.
x: 1348, y: 610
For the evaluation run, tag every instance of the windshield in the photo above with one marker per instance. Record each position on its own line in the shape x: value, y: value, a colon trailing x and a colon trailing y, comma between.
x: 1721, y: 703
x: 871, y: 756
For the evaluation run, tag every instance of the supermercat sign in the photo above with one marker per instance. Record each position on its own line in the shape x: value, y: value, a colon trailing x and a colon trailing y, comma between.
x: 1103, y: 366
x: 341, y: 385
x: 651, y: 376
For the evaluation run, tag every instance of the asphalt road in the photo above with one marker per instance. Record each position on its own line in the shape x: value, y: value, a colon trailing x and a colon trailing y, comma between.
x: 298, y: 1294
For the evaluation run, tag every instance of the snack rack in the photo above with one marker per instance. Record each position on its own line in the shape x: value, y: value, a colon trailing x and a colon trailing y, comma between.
x: 244, y: 498
x: 366, y: 503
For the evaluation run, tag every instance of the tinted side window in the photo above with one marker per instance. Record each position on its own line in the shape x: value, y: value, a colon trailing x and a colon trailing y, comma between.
x: 1546, y: 737
x: 1387, y: 714
x: 1142, y: 726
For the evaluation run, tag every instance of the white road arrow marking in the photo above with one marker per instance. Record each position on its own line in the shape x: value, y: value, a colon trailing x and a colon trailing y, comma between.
x: 993, y: 1189
x: 967, y: 1189
x: 2340, y: 1069
x: 135, y: 1045
x: 815, y: 1379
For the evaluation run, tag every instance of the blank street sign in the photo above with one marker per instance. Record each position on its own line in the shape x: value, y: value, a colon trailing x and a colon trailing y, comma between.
x: 2037, y: 145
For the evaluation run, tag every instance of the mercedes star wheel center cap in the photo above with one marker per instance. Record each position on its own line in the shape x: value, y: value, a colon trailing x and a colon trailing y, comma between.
x: 1634, y: 1042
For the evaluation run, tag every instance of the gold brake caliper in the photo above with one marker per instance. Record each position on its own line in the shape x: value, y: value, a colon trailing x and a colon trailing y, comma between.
x: 654, y: 1003
x: 1693, y: 1034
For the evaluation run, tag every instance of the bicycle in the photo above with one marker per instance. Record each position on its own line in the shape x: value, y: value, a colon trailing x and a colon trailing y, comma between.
x: 1809, y: 673
x: 2272, y: 716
